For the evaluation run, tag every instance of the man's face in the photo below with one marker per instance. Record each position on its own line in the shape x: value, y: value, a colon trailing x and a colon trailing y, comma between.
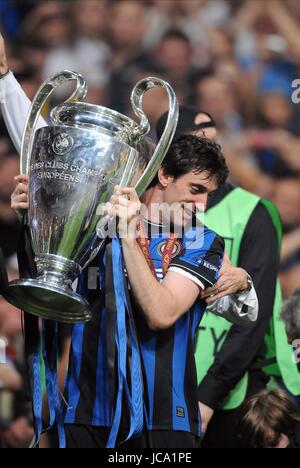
x: 127, y: 23
x: 216, y: 97
x: 188, y: 194
x: 175, y: 56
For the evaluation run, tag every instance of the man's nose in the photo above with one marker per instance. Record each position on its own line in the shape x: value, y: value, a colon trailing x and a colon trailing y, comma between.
x: 200, y: 202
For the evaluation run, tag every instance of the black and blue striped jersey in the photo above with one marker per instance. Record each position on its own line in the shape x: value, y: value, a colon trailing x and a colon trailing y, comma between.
x: 167, y: 356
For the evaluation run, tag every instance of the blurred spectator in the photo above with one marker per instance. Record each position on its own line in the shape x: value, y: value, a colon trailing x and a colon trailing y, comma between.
x: 90, y: 19
x: 9, y: 226
x: 16, y: 429
x: 269, y: 26
x: 127, y: 28
x: 48, y: 22
x: 175, y: 55
x: 34, y: 53
x: 266, y: 33
x: 270, y: 420
x: 212, y: 13
x: 291, y: 316
x: 218, y: 97
x: 10, y: 20
x: 84, y: 50
x: 126, y: 31
x: 275, y: 144
x: 160, y: 17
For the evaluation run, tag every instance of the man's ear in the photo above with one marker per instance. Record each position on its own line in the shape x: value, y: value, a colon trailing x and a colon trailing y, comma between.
x: 164, y: 179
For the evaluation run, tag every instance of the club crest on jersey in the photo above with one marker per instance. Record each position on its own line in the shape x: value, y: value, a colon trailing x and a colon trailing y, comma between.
x: 176, y: 250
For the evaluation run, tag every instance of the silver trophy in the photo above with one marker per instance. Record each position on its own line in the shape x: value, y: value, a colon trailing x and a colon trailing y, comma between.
x: 73, y: 166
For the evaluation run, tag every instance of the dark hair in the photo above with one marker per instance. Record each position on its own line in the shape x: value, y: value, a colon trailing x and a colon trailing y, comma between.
x: 265, y: 417
x: 176, y: 34
x: 189, y: 153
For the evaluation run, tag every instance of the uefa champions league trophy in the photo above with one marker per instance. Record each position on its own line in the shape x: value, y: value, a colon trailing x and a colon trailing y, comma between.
x: 73, y: 165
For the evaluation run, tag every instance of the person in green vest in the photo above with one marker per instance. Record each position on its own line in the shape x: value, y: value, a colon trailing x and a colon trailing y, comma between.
x: 235, y: 362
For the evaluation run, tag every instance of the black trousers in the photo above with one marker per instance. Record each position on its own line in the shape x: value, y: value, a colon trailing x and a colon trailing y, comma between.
x: 222, y: 431
x: 79, y: 436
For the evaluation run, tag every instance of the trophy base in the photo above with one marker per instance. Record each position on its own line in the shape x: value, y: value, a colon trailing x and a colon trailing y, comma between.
x: 48, y: 302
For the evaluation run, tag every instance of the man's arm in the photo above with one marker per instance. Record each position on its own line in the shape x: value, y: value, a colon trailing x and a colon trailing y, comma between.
x: 260, y: 257
x: 14, y: 103
x: 161, y: 303
x: 286, y: 24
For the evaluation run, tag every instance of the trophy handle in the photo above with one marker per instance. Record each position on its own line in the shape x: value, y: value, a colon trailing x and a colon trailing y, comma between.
x: 136, y: 100
x: 37, y: 105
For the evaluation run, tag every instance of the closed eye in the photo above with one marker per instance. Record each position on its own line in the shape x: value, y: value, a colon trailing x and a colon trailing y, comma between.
x: 197, y: 189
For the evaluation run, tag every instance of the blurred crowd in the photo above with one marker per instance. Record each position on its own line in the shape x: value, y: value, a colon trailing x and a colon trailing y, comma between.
x: 236, y: 59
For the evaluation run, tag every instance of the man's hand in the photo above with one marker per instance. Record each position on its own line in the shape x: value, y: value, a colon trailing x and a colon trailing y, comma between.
x: 206, y: 415
x: 3, y: 59
x: 19, y: 198
x: 231, y: 281
x: 126, y: 205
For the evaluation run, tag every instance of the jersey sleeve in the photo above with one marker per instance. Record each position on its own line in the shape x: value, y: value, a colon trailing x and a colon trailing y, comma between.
x: 201, y: 258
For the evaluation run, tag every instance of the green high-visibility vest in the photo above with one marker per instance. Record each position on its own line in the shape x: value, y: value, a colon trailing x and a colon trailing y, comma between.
x: 229, y: 218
